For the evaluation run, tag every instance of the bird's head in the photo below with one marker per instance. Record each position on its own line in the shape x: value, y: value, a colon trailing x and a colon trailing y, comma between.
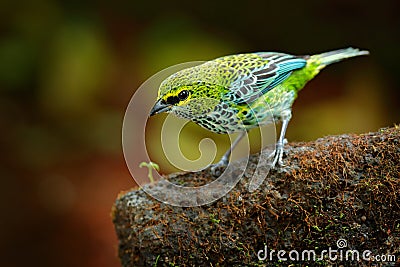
x: 187, y: 101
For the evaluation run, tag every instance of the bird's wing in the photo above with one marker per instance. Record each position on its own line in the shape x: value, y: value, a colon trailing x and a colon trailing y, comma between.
x: 260, y: 78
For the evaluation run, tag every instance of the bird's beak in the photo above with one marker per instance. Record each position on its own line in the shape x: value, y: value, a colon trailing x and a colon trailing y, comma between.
x: 159, y: 108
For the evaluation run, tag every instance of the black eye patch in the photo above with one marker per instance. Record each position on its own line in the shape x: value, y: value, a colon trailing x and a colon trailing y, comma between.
x: 172, y: 100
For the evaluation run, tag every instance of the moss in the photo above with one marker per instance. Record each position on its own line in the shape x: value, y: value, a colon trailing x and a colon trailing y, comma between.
x: 337, y: 187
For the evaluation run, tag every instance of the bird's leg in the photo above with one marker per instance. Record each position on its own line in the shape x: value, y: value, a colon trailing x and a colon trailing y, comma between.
x: 225, y: 158
x: 285, y: 117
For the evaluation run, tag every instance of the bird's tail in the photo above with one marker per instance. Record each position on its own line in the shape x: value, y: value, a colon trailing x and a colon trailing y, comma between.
x: 334, y: 56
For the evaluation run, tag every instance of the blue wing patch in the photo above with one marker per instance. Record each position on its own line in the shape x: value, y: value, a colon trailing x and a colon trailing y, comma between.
x: 284, y: 70
x: 257, y: 82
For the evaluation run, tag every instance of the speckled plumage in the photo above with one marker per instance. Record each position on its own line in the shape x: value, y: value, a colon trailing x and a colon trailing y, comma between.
x: 239, y: 92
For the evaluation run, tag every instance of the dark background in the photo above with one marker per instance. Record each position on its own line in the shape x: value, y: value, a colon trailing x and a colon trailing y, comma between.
x: 68, y: 70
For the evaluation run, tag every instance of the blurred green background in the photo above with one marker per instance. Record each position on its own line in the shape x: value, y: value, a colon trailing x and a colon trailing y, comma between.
x: 68, y: 70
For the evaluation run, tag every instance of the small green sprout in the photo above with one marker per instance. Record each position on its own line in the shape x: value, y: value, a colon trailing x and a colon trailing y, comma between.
x: 317, y: 228
x: 158, y: 256
x: 214, y: 219
x: 150, y: 165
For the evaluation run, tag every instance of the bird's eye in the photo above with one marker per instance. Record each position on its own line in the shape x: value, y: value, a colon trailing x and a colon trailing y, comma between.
x: 183, y: 95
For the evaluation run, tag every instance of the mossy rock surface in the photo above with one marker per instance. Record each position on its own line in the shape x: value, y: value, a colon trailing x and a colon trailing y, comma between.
x: 343, y: 187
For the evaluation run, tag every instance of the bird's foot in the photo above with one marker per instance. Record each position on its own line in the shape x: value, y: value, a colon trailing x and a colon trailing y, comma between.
x: 278, y: 154
x: 218, y: 168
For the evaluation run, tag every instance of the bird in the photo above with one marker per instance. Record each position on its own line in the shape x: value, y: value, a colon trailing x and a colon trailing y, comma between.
x: 236, y: 93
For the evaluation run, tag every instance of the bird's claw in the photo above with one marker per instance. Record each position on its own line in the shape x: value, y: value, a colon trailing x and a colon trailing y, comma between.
x: 278, y: 162
x: 278, y: 154
x: 218, y: 168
